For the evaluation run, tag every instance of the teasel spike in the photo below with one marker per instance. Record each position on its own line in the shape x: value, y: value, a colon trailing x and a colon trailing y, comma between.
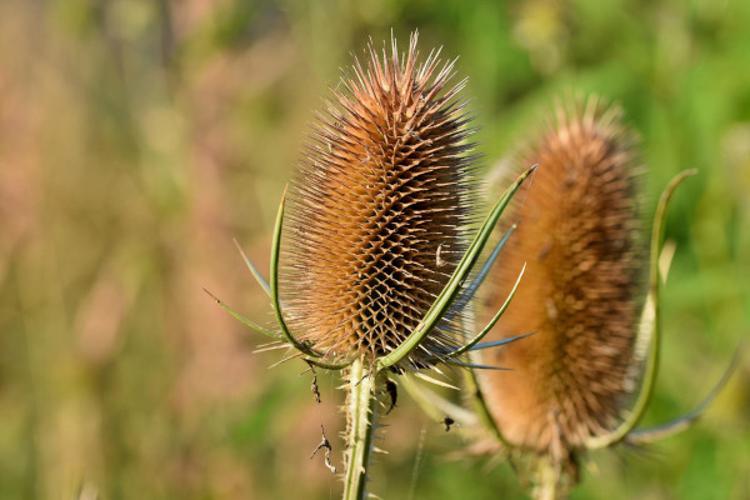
x: 568, y: 214
x: 576, y: 386
x: 388, y: 182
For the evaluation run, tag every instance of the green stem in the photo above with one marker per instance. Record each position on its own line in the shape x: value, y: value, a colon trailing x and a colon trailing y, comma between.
x: 479, y: 403
x: 548, y: 485
x: 473, y: 388
x: 361, y: 413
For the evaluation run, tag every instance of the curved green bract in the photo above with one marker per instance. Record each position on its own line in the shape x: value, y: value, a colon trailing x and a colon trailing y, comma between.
x: 471, y: 383
x: 497, y: 343
x: 242, y: 319
x: 650, y: 325
x: 679, y: 424
x: 274, y: 278
x: 452, y: 288
x: 468, y: 294
x: 253, y: 270
x: 478, y: 337
x: 327, y: 366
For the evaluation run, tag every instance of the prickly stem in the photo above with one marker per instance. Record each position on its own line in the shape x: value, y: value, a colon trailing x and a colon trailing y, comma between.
x: 361, y: 414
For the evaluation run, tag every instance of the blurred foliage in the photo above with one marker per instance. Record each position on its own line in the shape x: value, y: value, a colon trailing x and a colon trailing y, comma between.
x: 137, y: 137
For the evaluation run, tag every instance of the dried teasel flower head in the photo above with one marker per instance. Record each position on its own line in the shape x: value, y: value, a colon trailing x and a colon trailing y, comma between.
x: 377, y: 265
x: 379, y: 211
x: 577, y: 230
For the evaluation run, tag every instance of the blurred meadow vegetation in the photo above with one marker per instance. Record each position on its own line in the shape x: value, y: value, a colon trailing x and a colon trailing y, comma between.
x: 138, y: 137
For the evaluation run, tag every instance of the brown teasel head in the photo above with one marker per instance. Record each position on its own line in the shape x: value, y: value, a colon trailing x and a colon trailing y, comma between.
x: 380, y: 208
x: 577, y: 230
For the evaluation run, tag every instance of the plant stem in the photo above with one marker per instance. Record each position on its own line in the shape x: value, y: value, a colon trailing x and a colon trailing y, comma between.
x: 361, y: 413
x: 548, y: 479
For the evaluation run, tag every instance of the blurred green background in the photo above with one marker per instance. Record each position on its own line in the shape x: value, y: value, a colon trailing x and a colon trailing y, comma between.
x: 138, y: 137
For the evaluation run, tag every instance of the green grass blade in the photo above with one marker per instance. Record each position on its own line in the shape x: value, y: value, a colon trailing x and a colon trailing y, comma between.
x: 649, y: 334
x: 478, y: 337
x: 253, y: 270
x: 242, y: 319
x: 451, y: 289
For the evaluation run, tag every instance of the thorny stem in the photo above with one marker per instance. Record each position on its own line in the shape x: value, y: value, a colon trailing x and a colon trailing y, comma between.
x: 361, y: 414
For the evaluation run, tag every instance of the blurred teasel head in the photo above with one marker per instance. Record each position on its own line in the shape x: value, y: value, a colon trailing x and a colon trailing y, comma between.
x: 379, y: 241
x: 380, y: 207
x: 577, y: 229
x: 583, y: 380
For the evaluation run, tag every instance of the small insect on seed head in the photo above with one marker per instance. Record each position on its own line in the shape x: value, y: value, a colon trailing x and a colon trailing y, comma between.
x: 577, y: 230
x: 383, y: 192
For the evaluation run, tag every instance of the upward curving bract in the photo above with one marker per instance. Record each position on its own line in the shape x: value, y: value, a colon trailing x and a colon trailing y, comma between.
x: 581, y: 295
x: 379, y: 211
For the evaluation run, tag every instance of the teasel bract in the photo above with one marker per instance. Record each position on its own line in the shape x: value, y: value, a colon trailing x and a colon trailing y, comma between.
x: 583, y: 380
x: 371, y: 264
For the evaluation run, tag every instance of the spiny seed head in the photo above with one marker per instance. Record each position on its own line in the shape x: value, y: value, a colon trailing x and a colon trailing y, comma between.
x: 379, y: 211
x: 577, y: 231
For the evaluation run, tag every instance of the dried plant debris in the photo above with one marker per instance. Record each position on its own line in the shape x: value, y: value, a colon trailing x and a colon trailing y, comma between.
x: 325, y: 445
x: 392, y: 390
x: 448, y: 423
x: 314, y: 387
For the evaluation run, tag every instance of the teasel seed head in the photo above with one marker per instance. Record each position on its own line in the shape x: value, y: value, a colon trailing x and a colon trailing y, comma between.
x: 379, y: 212
x: 577, y: 230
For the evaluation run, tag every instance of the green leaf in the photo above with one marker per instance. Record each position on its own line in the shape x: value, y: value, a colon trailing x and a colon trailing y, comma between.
x: 498, y: 343
x: 474, y: 389
x: 436, y: 406
x: 468, y: 294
